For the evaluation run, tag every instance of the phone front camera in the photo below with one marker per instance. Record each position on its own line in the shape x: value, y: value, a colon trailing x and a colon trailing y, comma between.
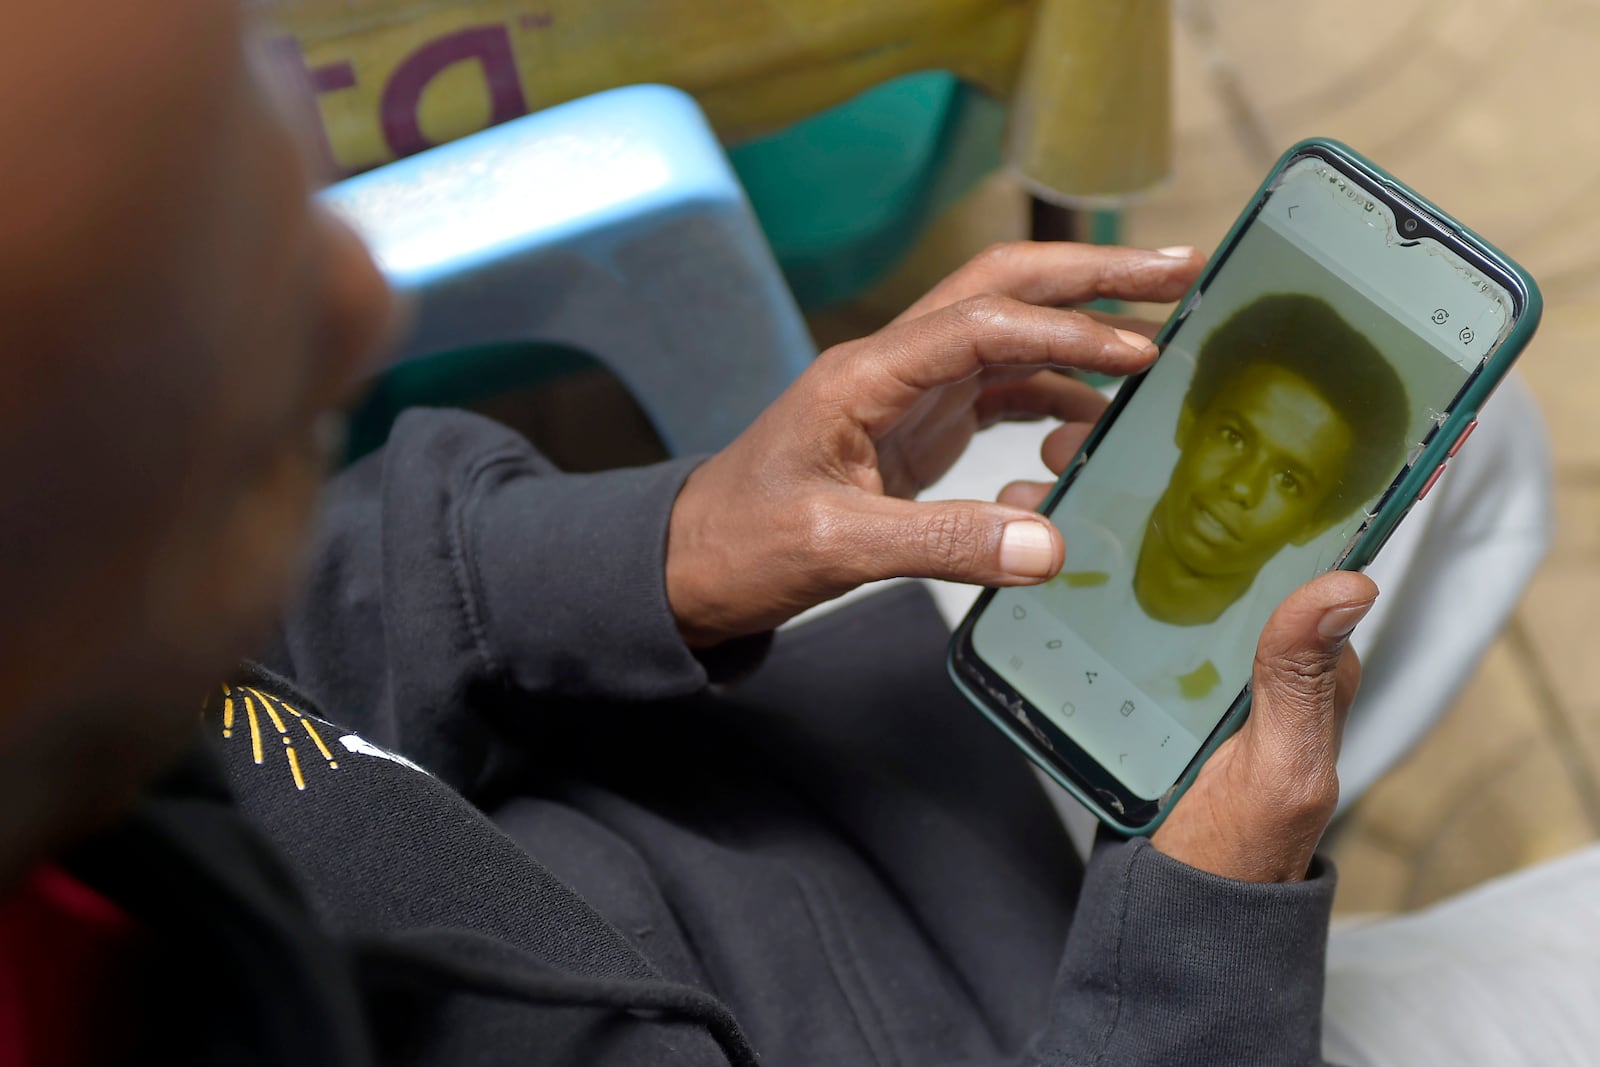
x: 1410, y: 226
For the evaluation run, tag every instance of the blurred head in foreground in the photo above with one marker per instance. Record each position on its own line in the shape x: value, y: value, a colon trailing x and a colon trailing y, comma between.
x: 176, y: 325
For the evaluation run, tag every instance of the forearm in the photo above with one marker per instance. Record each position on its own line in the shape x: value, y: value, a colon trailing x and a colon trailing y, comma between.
x: 457, y: 563
x: 1169, y: 965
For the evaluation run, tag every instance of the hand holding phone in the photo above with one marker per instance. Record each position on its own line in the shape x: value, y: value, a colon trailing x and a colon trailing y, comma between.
x: 1259, y: 805
x: 1312, y: 387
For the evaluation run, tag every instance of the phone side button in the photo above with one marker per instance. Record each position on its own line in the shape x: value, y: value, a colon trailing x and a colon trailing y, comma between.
x: 1374, y: 553
x: 1473, y: 425
x: 1432, y: 478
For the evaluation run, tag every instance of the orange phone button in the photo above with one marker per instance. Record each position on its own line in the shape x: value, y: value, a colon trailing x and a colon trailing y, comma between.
x: 1473, y: 425
x: 1431, y: 480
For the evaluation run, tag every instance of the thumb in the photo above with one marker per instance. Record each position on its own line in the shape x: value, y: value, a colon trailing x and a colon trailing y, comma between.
x: 1305, y: 679
x: 955, y: 540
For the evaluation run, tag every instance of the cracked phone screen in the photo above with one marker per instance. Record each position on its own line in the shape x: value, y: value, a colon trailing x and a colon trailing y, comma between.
x: 1290, y: 397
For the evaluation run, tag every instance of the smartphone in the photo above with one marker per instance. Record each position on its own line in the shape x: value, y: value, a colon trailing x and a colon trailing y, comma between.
x: 1312, y: 386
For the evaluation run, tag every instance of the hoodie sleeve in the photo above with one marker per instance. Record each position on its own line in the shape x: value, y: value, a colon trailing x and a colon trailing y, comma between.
x: 1167, y: 964
x: 457, y: 568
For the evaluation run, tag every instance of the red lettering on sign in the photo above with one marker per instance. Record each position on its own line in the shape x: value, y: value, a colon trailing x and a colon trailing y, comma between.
x: 333, y: 77
x: 402, y: 97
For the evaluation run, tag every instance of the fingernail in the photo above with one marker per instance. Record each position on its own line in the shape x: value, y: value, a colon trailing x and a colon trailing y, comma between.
x: 1026, y: 550
x: 1341, y: 622
x: 1136, y: 341
x: 1178, y: 251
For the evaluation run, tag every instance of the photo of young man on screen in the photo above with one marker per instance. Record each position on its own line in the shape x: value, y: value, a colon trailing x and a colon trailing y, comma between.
x: 1291, y: 421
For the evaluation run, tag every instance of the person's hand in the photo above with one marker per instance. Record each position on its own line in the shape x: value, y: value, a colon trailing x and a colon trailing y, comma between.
x: 1262, y: 801
x: 815, y: 498
x: 1260, y: 804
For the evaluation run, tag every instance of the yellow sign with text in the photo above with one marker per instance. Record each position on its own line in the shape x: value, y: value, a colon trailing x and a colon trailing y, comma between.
x: 387, y: 78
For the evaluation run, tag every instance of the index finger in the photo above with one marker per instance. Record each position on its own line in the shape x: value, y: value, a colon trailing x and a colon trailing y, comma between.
x: 1055, y: 273
x: 878, y: 378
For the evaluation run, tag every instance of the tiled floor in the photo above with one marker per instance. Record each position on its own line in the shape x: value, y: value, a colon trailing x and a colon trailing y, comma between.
x: 1484, y: 105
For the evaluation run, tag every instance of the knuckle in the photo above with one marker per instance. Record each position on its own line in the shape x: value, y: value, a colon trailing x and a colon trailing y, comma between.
x: 982, y: 311
x: 1081, y: 323
x: 1302, y: 787
x: 1124, y: 271
x: 1301, y: 670
x: 1312, y: 795
x: 817, y: 529
x: 837, y: 359
x: 998, y: 256
x: 833, y: 354
x: 954, y: 541
x: 836, y: 374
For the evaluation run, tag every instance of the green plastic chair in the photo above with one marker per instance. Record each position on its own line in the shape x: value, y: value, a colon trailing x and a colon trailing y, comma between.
x: 843, y: 195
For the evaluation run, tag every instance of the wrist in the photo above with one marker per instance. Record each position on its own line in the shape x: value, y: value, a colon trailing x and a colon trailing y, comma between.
x: 692, y: 564
x: 1241, y: 849
x: 1243, y: 864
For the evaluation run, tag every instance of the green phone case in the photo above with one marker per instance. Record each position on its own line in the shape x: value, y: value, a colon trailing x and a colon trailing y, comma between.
x: 1395, y: 506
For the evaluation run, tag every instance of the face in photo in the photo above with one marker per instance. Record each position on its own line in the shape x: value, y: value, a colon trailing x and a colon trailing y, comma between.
x: 1291, y: 419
